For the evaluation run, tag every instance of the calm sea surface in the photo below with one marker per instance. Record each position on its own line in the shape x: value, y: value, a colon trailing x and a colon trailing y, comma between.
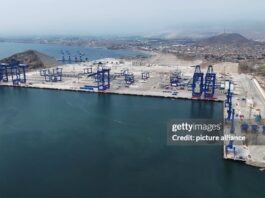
x: 82, y: 145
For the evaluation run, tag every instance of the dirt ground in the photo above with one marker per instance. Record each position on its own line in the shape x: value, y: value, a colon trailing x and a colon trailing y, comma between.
x: 170, y: 60
x: 226, y: 67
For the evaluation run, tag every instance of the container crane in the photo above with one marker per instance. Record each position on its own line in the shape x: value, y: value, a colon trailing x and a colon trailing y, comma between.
x: 197, y: 83
x: 210, y: 81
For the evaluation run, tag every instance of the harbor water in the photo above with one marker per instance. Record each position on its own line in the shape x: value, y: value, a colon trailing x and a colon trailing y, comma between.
x: 72, y: 144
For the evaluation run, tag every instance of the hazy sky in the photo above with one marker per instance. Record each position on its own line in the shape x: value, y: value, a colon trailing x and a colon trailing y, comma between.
x: 42, y: 17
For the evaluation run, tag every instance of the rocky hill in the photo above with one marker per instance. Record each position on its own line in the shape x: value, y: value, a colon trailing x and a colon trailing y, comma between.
x: 34, y: 59
x: 227, y: 39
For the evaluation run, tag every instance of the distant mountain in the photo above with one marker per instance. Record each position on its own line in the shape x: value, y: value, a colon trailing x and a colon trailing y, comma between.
x: 227, y: 39
x: 34, y: 59
x: 171, y: 35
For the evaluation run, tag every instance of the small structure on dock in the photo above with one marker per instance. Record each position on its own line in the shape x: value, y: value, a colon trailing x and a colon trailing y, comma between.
x: 145, y: 75
x: 230, y: 148
x: 244, y: 127
x: 129, y: 78
x: 52, y: 75
x: 175, y: 79
x: 121, y: 73
x: 88, y: 70
x: 254, y: 128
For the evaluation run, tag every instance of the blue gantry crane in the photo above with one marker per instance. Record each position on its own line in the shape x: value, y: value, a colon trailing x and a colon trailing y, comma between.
x: 4, y: 72
x: 18, y: 73
x: 197, y: 83
x: 210, y: 81
x: 228, y: 102
x: 232, y: 129
x: 102, y: 78
x: 16, y: 70
x: 231, y: 118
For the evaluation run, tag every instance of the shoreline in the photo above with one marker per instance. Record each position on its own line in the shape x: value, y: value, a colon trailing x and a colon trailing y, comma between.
x: 116, y: 93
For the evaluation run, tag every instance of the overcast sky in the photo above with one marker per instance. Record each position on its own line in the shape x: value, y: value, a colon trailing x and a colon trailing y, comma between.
x: 87, y: 17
